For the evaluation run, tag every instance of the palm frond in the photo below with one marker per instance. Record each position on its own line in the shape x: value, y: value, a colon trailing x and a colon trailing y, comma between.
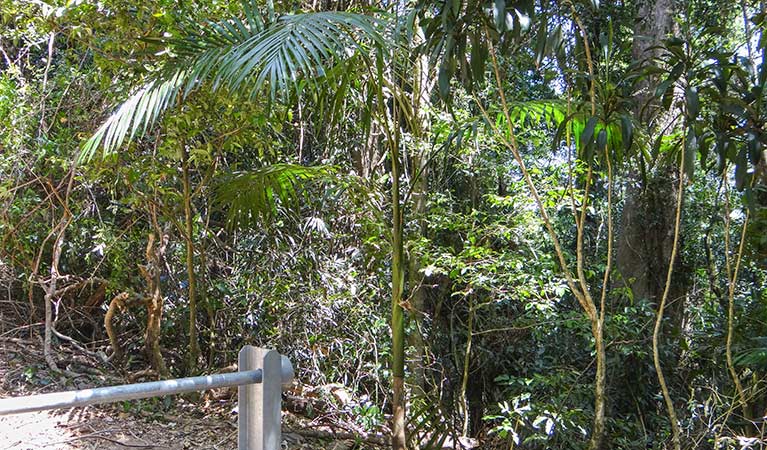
x: 428, y: 425
x: 297, y: 45
x: 255, y: 195
x: 135, y: 115
x: 239, y: 55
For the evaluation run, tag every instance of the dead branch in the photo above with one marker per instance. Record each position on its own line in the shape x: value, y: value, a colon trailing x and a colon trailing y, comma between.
x: 117, y: 303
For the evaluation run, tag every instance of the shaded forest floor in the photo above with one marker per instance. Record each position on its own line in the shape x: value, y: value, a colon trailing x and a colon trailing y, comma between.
x: 160, y: 423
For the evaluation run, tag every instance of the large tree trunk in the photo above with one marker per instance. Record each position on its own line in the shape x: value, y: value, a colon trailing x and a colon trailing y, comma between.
x: 648, y: 235
x: 647, y: 222
x: 646, y: 230
x: 645, y: 241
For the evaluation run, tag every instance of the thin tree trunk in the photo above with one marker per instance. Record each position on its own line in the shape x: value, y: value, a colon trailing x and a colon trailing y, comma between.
x: 50, y: 289
x: 397, y: 322
x: 600, y: 384
x: 194, y: 344
x: 117, y: 304
x: 419, y: 168
x: 50, y: 292
x: 675, y: 431
x: 466, y: 364
x: 597, y: 318
x: 578, y: 286
x: 209, y: 309
x: 154, y: 304
x: 732, y: 279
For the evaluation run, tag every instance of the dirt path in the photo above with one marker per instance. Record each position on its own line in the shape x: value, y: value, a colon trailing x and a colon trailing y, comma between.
x: 155, y: 423
x: 169, y: 424
x: 95, y: 430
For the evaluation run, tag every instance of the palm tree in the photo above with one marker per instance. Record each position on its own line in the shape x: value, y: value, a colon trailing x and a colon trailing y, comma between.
x: 251, y: 56
x: 239, y: 55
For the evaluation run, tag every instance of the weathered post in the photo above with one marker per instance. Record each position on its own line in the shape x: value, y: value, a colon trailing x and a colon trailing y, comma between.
x: 259, y: 405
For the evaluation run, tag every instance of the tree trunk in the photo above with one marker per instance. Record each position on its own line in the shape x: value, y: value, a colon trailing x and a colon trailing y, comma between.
x: 117, y: 303
x: 645, y: 241
x: 648, y: 237
x: 154, y: 302
x: 653, y: 23
x: 50, y: 290
x: 600, y: 384
x: 194, y: 345
x: 645, y: 236
x: 397, y: 322
x: 419, y: 176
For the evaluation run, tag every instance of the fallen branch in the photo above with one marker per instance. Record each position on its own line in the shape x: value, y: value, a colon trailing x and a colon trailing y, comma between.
x: 117, y: 303
x: 100, y: 356
x: 97, y: 435
x: 375, y: 439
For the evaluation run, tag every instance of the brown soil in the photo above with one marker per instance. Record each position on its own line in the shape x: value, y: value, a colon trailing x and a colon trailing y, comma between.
x: 171, y: 423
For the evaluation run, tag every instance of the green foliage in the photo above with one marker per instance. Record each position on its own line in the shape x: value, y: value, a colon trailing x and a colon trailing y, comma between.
x: 252, y: 196
x: 237, y: 55
x: 457, y: 37
x: 287, y: 120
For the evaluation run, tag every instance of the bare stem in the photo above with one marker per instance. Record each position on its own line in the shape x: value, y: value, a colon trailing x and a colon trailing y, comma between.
x: 675, y: 431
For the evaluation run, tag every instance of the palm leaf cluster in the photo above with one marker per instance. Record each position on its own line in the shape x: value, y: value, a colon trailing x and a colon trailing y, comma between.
x: 256, y: 195
x: 239, y: 54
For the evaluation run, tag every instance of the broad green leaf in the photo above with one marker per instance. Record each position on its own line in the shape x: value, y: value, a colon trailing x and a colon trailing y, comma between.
x: 587, y: 135
x: 627, y: 131
x: 754, y: 148
x: 478, y: 57
x: 690, y: 151
x: 741, y: 170
x: 444, y: 83
x: 602, y: 139
x: 693, y: 102
x: 660, y: 91
x: 499, y: 14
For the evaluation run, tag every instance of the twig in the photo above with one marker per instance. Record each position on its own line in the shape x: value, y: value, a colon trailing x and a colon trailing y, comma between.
x: 79, y: 347
x: 23, y: 327
x: 227, y: 438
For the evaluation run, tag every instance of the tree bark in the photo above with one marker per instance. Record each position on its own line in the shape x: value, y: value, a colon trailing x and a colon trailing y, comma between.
x: 645, y: 236
x: 600, y: 384
x: 50, y: 290
x: 117, y: 303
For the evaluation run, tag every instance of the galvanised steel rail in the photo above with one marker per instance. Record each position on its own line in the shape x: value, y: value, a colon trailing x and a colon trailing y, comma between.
x: 259, y: 381
x: 19, y: 405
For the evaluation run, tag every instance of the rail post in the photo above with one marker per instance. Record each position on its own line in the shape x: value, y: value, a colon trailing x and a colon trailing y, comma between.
x: 259, y: 416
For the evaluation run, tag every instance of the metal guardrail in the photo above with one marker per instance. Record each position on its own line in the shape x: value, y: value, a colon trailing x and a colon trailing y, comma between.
x: 259, y: 396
